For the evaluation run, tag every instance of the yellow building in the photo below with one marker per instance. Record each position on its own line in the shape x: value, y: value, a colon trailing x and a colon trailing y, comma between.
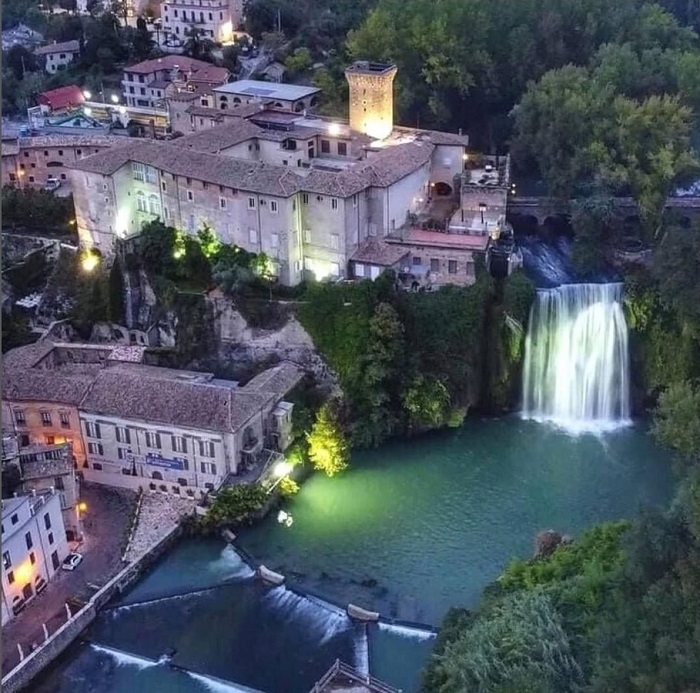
x: 371, y: 98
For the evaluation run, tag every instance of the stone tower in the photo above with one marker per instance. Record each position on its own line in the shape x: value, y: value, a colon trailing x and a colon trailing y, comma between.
x: 371, y: 98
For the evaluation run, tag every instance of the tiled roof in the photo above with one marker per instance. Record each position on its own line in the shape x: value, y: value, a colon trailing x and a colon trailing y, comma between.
x: 220, y: 137
x: 438, y: 239
x: 201, y: 71
x: 44, y: 386
x: 25, y: 356
x: 436, y: 136
x: 62, y: 97
x: 382, y: 169
x: 68, y: 140
x: 275, y: 381
x: 65, y: 47
x: 379, y: 253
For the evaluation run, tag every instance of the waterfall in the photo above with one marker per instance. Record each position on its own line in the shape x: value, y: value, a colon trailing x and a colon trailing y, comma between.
x: 576, y: 372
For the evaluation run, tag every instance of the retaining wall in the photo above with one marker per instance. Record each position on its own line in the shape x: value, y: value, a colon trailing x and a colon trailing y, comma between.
x: 46, y: 653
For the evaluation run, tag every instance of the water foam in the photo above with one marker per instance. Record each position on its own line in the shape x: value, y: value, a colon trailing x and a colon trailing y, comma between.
x: 362, y: 650
x: 124, y: 658
x: 576, y: 372
x: 412, y: 632
x: 219, y: 686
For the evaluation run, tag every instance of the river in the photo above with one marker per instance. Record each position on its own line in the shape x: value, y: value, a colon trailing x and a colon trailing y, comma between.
x: 409, y: 530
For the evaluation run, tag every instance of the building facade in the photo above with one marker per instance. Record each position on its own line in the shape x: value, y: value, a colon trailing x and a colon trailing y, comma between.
x: 371, y: 98
x: 145, y: 84
x: 216, y: 20
x: 283, y: 97
x: 57, y: 56
x: 33, y: 547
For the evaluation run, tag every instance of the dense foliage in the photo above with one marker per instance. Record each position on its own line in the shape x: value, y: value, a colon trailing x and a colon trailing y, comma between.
x: 232, y: 507
x: 36, y: 210
x: 409, y: 362
x: 328, y: 448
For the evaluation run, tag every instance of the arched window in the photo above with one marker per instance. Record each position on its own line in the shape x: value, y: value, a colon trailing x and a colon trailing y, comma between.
x: 157, y: 475
x: 141, y: 201
x: 154, y: 205
x: 224, y: 102
x: 236, y: 99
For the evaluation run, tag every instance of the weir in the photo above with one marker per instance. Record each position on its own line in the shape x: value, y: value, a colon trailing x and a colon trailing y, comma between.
x: 576, y: 371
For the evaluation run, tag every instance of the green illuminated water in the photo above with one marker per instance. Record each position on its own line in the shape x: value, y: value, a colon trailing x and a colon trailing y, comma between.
x: 416, y: 527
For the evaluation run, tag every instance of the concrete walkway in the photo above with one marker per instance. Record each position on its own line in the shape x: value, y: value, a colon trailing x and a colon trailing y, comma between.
x: 158, y: 514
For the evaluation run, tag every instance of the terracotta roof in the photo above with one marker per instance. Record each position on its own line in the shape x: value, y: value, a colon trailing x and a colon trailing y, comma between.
x: 44, y: 386
x: 383, y: 169
x: 68, y: 140
x: 215, y: 139
x: 436, y: 136
x: 201, y: 71
x: 65, y: 47
x: 62, y: 97
x: 379, y: 253
x: 276, y: 381
x: 26, y: 356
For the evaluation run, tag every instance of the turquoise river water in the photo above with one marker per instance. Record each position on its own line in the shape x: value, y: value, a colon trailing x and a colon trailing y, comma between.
x: 409, y: 530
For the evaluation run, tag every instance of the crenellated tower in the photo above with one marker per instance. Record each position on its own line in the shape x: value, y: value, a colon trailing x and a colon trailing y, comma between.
x: 371, y: 98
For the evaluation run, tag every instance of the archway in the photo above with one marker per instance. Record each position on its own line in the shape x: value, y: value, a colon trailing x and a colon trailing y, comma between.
x: 157, y: 475
x: 442, y: 189
x: 299, y: 107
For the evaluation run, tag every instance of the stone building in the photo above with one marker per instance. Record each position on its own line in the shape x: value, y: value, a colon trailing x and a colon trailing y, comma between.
x: 34, y: 545
x: 57, y: 56
x: 29, y: 161
x: 181, y: 432
x: 310, y: 192
x: 217, y: 20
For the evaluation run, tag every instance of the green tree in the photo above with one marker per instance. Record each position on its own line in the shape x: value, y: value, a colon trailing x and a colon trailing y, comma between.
x: 299, y: 61
x: 19, y: 60
x: 328, y: 447
x: 427, y: 402
x: 142, y: 42
x: 197, y: 46
x: 677, y: 419
x: 116, y: 293
x: 593, y: 224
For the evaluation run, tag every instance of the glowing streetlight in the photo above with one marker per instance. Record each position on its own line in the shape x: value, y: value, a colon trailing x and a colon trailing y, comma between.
x: 82, y: 506
x: 281, y: 471
x: 89, y: 261
x: 87, y: 94
x: 115, y: 98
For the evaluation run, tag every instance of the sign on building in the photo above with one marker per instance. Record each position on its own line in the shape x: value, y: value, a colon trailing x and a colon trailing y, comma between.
x: 164, y: 462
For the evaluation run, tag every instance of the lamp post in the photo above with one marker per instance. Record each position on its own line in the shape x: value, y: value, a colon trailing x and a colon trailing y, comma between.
x: 79, y: 509
x: 281, y: 470
x: 482, y: 207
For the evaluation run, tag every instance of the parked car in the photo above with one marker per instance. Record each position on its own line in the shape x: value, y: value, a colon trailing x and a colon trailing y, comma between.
x: 72, y: 561
x: 52, y: 184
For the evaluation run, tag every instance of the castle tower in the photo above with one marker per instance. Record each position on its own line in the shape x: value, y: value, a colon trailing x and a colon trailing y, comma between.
x: 371, y: 98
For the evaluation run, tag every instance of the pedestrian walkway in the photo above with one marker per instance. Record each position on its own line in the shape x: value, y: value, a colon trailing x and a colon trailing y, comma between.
x: 158, y: 514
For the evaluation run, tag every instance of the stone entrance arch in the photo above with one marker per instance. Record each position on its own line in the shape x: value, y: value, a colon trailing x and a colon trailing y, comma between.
x: 442, y: 189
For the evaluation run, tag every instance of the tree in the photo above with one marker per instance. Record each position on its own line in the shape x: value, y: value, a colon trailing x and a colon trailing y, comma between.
x: 229, y: 59
x: 328, y: 447
x: 593, y: 223
x: 197, y: 46
x: 116, y: 293
x: 677, y: 419
x: 142, y: 42
x: 427, y: 402
x: 299, y: 61
x: 19, y: 60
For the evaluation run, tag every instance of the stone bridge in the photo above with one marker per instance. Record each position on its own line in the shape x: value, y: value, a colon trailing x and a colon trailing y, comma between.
x: 543, y: 208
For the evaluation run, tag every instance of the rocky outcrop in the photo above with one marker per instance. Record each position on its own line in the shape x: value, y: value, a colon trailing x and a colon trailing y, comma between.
x: 546, y: 543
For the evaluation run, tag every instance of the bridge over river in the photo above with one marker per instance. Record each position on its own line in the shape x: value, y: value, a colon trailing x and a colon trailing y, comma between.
x: 542, y: 208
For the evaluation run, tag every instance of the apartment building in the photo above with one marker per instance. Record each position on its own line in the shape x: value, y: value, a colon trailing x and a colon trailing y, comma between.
x: 182, y: 432
x: 147, y: 83
x: 57, y: 56
x: 320, y: 197
x: 34, y: 545
x: 53, y: 468
x: 30, y: 161
x: 284, y: 97
x: 216, y: 20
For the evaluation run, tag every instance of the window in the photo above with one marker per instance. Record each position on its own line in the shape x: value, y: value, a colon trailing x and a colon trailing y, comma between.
x: 14, y: 519
x: 123, y: 434
x: 50, y: 535
x: 11, y: 576
x: 31, y: 179
x: 153, y: 440
x: 222, y: 203
x: 434, y: 264
x: 58, y: 483
x: 251, y: 203
x: 208, y: 468
x: 45, y: 418
x: 32, y: 558
x: 206, y: 448
x: 154, y: 205
x: 190, y: 196
x: 163, y: 186
x: 307, y: 236
x: 47, y: 521
x: 54, y: 560
x: 275, y: 240
x: 50, y: 440
x: 334, y: 203
x: 252, y: 236
x: 304, y: 198
x: 92, y: 430
x: 190, y: 223
x: 179, y: 444
x: 325, y: 147
x: 273, y: 206
x: 19, y: 416
x: 28, y: 539
x: 141, y: 201
x: 65, y: 419
x: 342, y: 149
x: 183, y: 462
x: 182, y: 482
x: 97, y: 466
x: 334, y: 241
x: 95, y: 449
x: 452, y: 266
x: 60, y: 152
x: 416, y: 261
x: 122, y: 453
x: 6, y: 560
x: 137, y: 171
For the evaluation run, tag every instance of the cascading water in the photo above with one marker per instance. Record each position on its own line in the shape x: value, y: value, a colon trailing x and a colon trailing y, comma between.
x: 576, y: 372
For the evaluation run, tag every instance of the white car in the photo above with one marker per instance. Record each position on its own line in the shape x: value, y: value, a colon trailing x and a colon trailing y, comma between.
x: 52, y: 184
x: 72, y: 561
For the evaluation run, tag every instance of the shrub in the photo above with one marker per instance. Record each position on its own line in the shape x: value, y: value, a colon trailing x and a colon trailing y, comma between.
x: 328, y: 447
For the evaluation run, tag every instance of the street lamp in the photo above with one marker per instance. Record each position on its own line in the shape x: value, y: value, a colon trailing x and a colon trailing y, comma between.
x: 115, y: 98
x: 80, y: 508
x: 281, y: 470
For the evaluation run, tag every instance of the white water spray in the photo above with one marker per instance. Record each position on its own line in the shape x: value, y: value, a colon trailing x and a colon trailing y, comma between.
x: 576, y: 371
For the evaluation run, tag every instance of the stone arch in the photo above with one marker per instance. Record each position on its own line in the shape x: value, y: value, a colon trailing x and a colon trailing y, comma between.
x: 236, y: 100
x: 299, y: 106
x: 223, y: 102
x: 442, y: 189
x: 314, y: 101
x: 555, y: 222
x: 523, y: 223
